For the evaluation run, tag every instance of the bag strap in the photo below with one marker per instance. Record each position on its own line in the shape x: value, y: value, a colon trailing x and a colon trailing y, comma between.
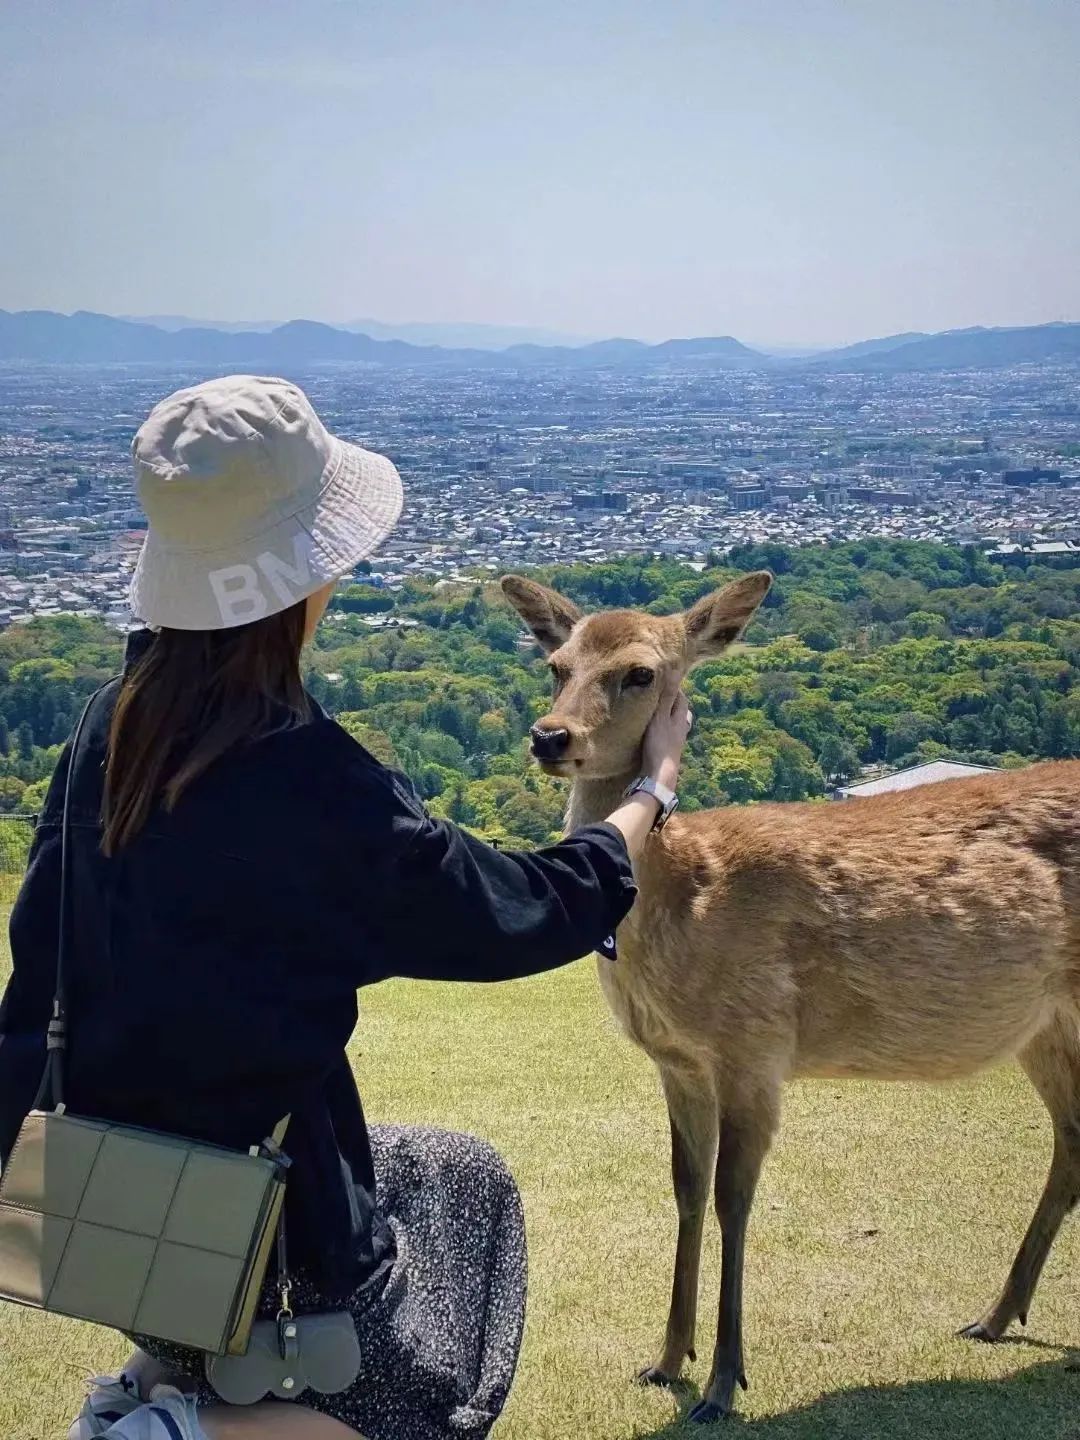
x: 284, y: 1279
x: 52, y: 1081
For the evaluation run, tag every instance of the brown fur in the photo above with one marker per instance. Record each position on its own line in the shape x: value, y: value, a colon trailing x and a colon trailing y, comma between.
x: 921, y: 935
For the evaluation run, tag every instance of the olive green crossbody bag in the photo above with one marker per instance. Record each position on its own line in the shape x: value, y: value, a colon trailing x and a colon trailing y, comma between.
x: 150, y: 1233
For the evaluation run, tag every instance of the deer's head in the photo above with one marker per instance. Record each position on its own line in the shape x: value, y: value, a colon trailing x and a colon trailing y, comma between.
x: 608, y: 669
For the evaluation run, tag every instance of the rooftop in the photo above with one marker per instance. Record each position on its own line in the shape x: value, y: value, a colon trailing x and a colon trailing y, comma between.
x: 927, y: 774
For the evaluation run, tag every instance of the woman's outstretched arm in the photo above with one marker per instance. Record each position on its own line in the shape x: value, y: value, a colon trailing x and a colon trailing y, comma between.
x: 453, y: 908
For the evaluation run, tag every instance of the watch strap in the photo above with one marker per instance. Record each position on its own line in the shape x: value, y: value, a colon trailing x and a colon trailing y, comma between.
x: 667, y: 799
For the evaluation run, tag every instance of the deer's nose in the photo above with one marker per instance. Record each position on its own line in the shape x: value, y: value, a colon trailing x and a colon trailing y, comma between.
x: 549, y: 743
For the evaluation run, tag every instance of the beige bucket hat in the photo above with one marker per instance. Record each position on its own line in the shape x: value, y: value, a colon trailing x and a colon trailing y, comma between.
x: 253, y: 504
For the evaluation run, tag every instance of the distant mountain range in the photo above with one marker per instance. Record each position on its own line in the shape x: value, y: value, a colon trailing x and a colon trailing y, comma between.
x: 85, y: 337
x: 467, y: 335
x: 977, y: 348
x: 47, y: 337
x: 871, y: 347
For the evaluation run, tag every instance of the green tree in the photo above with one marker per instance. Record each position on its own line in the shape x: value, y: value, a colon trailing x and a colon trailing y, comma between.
x: 921, y: 623
x: 25, y: 741
x: 1058, y: 739
x: 906, y: 732
x: 838, y: 759
x: 376, y: 742
x: 363, y: 600
x: 740, y: 772
x: 820, y: 638
x: 458, y: 808
x: 797, y: 774
x: 12, y: 790
x: 32, y: 800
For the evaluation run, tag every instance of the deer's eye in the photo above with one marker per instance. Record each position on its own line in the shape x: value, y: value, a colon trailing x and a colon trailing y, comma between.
x: 558, y: 675
x: 638, y: 678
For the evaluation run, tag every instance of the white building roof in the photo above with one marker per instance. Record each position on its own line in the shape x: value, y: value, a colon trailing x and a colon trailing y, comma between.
x: 928, y: 774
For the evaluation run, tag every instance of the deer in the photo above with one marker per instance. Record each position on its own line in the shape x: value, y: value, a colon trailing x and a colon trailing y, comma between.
x: 926, y: 934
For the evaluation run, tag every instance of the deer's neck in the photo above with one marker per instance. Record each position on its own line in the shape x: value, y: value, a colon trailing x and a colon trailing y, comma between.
x: 590, y: 802
x: 594, y: 800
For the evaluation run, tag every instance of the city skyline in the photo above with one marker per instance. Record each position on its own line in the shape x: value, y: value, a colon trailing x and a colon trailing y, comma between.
x: 503, y: 470
x: 793, y: 174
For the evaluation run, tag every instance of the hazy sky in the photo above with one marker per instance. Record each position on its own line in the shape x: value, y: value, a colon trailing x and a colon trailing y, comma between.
x: 780, y: 170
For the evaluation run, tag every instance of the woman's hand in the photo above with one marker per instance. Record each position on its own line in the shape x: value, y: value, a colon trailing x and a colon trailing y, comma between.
x: 661, y: 755
x: 662, y: 747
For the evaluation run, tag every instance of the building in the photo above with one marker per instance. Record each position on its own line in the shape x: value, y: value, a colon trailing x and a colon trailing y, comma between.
x: 931, y: 773
x: 706, y: 474
x: 871, y: 495
x: 889, y: 470
x: 1034, y: 476
x: 616, y: 500
x: 747, y: 497
x: 1049, y: 552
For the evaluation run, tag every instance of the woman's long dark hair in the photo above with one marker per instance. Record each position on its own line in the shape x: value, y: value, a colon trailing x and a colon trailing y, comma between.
x: 193, y: 696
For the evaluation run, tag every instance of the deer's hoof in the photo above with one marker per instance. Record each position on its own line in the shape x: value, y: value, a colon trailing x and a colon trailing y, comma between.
x: 653, y: 1375
x: 708, y: 1412
x: 979, y: 1331
x: 719, y: 1400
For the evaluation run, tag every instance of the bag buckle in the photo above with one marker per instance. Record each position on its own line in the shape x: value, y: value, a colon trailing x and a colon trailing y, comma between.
x: 269, y: 1149
x: 288, y: 1336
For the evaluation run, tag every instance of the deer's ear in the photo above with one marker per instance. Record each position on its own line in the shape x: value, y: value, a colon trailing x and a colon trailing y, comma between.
x: 549, y: 615
x: 720, y: 618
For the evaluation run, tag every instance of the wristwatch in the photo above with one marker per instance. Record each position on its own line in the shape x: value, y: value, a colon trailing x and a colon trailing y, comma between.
x: 669, y: 801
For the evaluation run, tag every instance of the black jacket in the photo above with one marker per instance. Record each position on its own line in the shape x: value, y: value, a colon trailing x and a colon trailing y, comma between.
x: 215, y: 960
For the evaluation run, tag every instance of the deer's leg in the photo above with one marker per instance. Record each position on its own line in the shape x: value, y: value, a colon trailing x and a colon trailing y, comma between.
x: 1052, y: 1063
x: 692, y: 1113
x: 746, y: 1129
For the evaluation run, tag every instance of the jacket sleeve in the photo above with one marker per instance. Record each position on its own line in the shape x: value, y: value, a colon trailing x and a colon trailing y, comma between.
x: 461, y: 910
x: 27, y: 1002
x: 408, y: 895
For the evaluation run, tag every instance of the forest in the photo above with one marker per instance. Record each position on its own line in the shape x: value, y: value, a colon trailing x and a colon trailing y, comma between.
x: 876, y: 653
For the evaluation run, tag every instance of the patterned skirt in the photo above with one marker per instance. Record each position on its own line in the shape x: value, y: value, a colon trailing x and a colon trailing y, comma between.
x: 440, y: 1343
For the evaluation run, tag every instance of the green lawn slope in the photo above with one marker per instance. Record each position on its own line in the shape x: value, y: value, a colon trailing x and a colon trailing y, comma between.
x: 887, y: 1217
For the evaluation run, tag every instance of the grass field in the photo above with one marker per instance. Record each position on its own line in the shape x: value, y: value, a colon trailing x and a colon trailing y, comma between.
x: 886, y: 1218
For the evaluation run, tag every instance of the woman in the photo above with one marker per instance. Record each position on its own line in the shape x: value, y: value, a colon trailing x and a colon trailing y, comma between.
x: 239, y: 866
